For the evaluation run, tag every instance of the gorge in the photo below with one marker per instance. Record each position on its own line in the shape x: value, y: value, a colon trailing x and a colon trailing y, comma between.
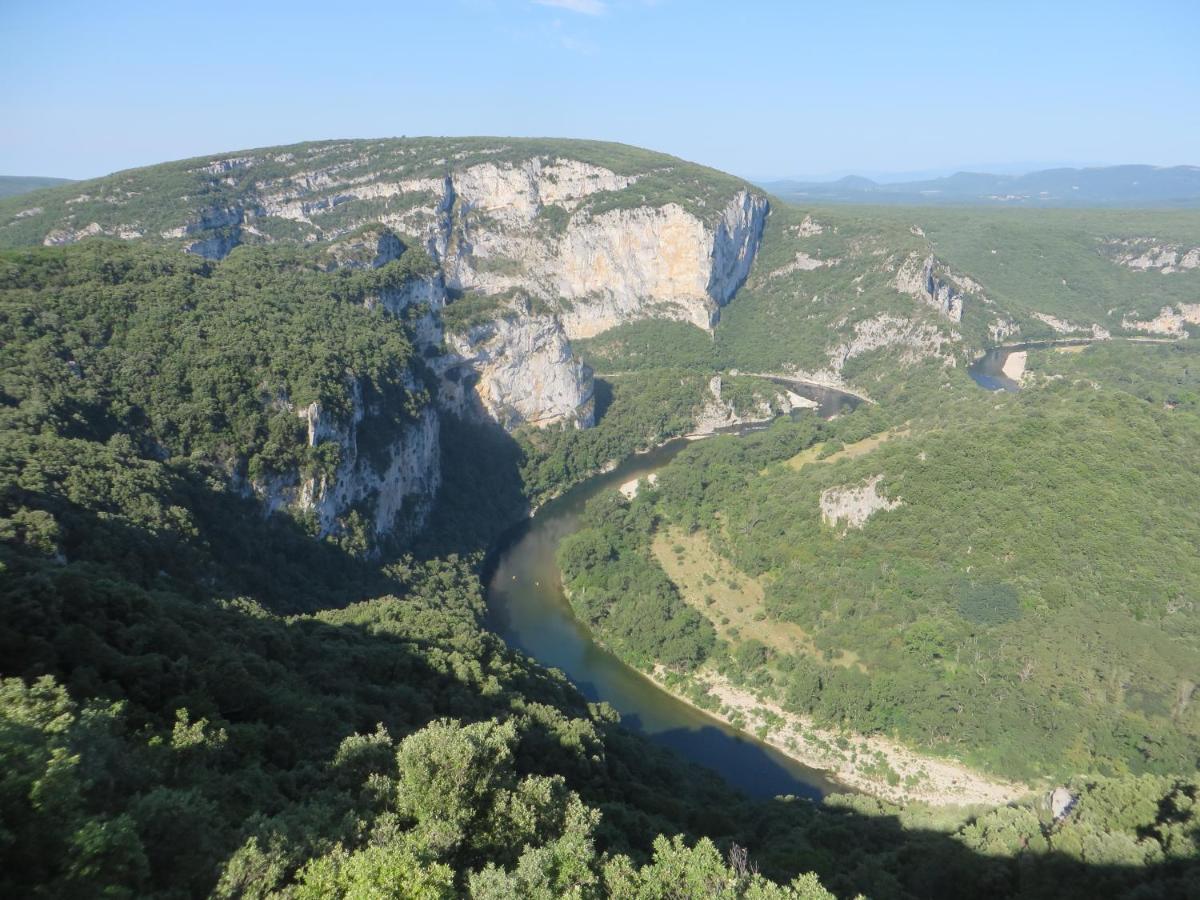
x: 276, y: 612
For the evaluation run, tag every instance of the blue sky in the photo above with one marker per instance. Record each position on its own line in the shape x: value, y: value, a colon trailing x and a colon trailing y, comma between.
x: 757, y: 88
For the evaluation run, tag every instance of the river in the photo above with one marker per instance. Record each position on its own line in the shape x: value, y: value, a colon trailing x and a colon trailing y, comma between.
x: 988, y: 370
x: 527, y: 607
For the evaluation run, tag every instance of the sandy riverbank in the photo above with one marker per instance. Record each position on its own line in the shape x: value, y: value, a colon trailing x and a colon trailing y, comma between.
x: 1014, y: 365
x: 859, y: 762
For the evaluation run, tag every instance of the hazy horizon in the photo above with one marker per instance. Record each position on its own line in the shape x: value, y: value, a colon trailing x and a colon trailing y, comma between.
x: 756, y: 90
x: 879, y: 176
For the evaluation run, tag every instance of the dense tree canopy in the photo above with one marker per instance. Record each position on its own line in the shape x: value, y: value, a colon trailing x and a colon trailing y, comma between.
x: 200, y: 699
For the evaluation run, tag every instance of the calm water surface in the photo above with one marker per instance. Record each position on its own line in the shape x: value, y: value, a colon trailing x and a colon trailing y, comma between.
x: 988, y: 370
x: 527, y: 607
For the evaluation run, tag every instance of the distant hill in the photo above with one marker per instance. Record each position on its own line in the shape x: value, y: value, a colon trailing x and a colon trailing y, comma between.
x: 1112, y: 186
x: 11, y: 185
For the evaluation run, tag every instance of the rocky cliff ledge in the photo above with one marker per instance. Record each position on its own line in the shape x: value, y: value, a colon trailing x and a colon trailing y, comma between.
x: 525, y: 371
x: 600, y: 234
x: 542, y: 241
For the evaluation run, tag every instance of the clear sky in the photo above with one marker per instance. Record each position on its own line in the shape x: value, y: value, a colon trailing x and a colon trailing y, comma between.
x: 757, y: 88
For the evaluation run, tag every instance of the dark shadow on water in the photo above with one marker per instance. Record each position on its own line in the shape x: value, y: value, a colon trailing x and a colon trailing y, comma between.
x: 289, y: 690
x: 135, y: 616
x: 744, y: 765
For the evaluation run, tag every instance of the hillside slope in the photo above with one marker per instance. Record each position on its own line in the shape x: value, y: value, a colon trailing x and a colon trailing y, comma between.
x: 488, y: 254
x: 12, y: 185
x: 1002, y: 579
x: 871, y: 297
x: 563, y: 220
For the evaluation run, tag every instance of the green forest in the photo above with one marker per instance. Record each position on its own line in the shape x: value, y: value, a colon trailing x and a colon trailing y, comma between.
x: 197, y: 700
x: 1022, y: 541
x: 202, y: 695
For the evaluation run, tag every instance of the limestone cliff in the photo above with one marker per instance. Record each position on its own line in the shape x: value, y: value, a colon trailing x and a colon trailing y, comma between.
x: 551, y: 240
x: 388, y: 475
x: 525, y: 371
x: 601, y: 234
x: 934, y: 283
x: 600, y: 268
x: 1147, y: 254
x: 850, y: 506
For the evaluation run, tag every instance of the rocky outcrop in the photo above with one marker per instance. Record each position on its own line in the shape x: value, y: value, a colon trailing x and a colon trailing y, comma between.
x: 395, y: 484
x: 1061, y: 802
x: 719, y: 412
x: 933, y: 283
x: 1062, y: 326
x: 1170, y: 321
x: 1001, y: 329
x: 525, y: 372
x: 369, y: 248
x: 912, y: 340
x: 1149, y: 254
x: 853, y: 505
x: 60, y: 236
x: 217, y: 230
x: 802, y: 262
x: 808, y: 227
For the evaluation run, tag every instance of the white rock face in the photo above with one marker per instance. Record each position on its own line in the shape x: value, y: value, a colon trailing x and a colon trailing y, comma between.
x: 1168, y: 322
x: 1062, y: 801
x: 735, y: 244
x: 917, y: 341
x: 1062, y: 326
x: 526, y: 372
x: 516, y: 193
x: 932, y: 282
x: 719, y: 413
x: 1148, y: 254
x: 810, y: 227
x: 425, y: 293
x: 399, y: 487
x: 853, y: 505
x: 1002, y: 329
x: 60, y: 236
x: 625, y: 264
x: 611, y: 267
x: 804, y: 263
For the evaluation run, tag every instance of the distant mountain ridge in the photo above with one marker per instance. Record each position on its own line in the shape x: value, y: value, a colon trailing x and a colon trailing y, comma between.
x: 12, y: 185
x: 1176, y: 187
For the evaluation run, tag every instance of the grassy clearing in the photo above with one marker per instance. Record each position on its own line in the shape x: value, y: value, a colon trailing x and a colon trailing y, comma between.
x: 727, y: 596
x: 817, y: 453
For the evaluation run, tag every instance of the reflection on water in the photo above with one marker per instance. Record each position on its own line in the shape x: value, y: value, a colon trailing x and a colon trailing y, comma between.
x: 527, y: 607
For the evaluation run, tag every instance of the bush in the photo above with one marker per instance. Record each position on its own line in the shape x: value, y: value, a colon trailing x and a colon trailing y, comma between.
x: 991, y: 603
